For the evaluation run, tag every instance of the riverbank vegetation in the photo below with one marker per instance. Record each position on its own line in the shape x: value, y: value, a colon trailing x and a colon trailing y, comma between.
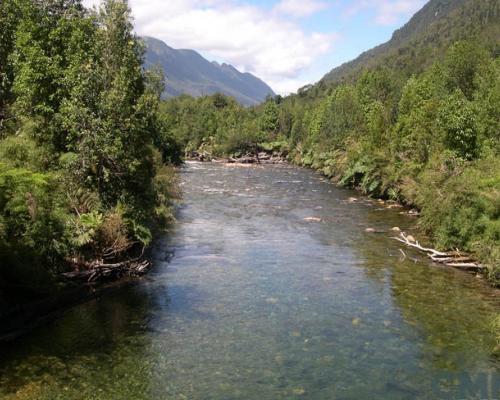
x: 430, y: 140
x: 84, y: 178
x: 86, y: 142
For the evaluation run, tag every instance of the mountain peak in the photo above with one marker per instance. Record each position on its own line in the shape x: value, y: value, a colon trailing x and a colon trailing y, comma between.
x: 187, y: 72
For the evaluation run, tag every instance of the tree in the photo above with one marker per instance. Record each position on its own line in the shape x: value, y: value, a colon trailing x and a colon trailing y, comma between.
x: 50, y: 38
x: 343, y: 116
x: 111, y: 114
x: 457, y: 117
x: 269, y: 119
x: 463, y: 63
x: 9, y: 17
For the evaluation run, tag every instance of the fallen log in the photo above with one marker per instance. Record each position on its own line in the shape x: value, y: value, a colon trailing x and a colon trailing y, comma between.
x: 450, y: 259
x: 405, y: 239
x: 467, y: 266
x: 247, y: 159
x: 260, y: 158
x: 101, y: 271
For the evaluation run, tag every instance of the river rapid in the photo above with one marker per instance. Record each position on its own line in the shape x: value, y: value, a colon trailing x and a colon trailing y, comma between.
x: 269, y: 287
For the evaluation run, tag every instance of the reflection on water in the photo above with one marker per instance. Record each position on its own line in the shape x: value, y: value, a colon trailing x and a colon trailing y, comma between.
x: 258, y: 303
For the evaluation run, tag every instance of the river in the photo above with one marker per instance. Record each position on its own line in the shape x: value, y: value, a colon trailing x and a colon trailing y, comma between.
x: 250, y: 299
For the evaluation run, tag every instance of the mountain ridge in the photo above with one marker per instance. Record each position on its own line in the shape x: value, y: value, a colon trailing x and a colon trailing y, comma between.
x: 424, y: 37
x: 188, y: 72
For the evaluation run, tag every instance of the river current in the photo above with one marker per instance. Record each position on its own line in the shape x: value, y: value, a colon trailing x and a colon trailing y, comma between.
x: 270, y: 287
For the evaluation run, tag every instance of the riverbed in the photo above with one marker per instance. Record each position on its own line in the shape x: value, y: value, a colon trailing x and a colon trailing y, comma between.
x: 271, y: 287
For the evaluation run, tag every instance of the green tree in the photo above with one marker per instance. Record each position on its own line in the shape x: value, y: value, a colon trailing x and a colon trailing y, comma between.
x: 45, y: 47
x: 463, y: 64
x: 457, y: 117
x: 269, y: 119
x: 9, y: 17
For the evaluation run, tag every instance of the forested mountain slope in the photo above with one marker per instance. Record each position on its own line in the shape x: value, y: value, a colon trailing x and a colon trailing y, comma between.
x: 187, y: 72
x: 427, y: 35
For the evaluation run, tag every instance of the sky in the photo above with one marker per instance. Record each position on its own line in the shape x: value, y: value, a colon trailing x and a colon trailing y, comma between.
x: 287, y: 43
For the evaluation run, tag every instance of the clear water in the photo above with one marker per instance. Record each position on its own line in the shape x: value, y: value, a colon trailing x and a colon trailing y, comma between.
x: 258, y: 303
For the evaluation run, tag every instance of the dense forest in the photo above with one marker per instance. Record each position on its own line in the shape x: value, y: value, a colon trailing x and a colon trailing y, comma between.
x: 84, y: 179
x: 420, y: 127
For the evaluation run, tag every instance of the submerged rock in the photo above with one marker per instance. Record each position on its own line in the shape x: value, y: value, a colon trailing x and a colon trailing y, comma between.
x: 312, y: 219
x: 299, y: 391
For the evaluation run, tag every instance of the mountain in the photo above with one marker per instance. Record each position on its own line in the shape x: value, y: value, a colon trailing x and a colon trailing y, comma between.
x: 427, y: 35
x: 187, y: 72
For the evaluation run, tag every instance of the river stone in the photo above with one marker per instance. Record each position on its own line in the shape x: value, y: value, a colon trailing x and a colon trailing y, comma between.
x: 312, y: 219
x: 299, y: 391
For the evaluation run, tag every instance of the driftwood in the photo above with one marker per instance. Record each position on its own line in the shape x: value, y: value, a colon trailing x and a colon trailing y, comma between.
x: 247, y: 159
x: 199, y: 156
x: 258, y: 158
x: 454, y: 259
x: 100, y: 270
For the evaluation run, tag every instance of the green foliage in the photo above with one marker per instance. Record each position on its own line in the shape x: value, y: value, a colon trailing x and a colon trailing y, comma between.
x: 20, y: 151
x: 425, y: 39
x: 9, y: 17
x: 461, y: 206
x: 413, y: 137
x: 429, y: 139
x: 80, y: 178
x: 86, y: 228
x: 141, y: 233
x: 217, y: 124
x: 32, y: 225
x: 463, y: 64
x: 487, y: 100
x: 457, y: 117
x: 432, y: 142
x: 269, y: 118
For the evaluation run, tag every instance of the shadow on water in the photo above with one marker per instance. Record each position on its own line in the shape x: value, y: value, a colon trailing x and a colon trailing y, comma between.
x: 97, y: 349
x: 258, y: 302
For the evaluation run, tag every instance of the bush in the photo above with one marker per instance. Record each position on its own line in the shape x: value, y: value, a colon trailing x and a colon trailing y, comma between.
x: 461, y: 207
x: 32, y: 227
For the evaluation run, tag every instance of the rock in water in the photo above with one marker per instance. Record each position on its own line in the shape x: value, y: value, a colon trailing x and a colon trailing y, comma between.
x: 411, y: 239
x: 312, y: 219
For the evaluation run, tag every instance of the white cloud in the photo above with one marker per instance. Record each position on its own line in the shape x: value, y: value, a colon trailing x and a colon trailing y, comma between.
x: 264, y: 43
x: 291, y: 85
x: 300, y: 8
x: 387, y: 12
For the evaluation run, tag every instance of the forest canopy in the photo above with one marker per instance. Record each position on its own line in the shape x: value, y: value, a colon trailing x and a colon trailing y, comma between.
x: 82, y: 147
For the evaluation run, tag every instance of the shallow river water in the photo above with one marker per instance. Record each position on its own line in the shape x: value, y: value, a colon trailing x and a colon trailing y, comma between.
x: 250, y: 300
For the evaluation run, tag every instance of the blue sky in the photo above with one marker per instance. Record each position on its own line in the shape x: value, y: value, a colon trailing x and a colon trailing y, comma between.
x: 287, y: 43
